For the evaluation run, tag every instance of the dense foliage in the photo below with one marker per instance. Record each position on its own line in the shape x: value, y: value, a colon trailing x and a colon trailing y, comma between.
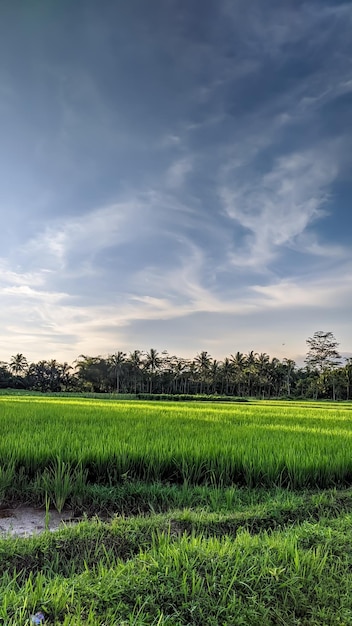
x: 246, y: 375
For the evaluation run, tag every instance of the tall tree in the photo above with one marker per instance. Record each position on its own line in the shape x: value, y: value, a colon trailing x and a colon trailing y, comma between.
x: 203, y: 362
x: 215, y: 374
x: 227, y: 371
x: 238, y: 360
x: 348, y: 376
x: 5, y: 375
x: 251, y: 371
x: 322, y: 353
x: 263, y: 366
x: 18, y: 364
x: 289, y: 366
x: 152, y: 363
x: 135, y: 360
x: 93, y: 372
x: 116, y: 361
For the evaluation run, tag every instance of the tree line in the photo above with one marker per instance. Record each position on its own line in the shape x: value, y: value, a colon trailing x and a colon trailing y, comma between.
x: 244, y: 375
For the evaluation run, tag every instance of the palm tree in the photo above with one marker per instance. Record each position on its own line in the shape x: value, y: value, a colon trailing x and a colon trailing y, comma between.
x: 177, y: 367
x: 251, y: 370
x: 215, y: 371
x: 53, y: 372
x: 289, y: 366
x: 262, y: 364
x: 203, y: 361
x: 153, y: 362
x: 227, y: 370
x: 65, y: 377
x: 115, y: 361
x: 238, y: 361
x: 275, y: 376
x: 93, y: 372
x: 135, y: 361
x: 18, y: 364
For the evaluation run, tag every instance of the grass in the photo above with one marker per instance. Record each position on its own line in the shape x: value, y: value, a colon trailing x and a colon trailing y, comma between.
x: 223, y: 514
x: 75, y: 442
x: 189, y: 567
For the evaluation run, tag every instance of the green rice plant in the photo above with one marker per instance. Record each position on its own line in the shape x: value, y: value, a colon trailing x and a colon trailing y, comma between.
x: 57, y: 483
x: 7, y: 473
x: 261, y: 444
x: 47, y: 512
x: 60, y: 481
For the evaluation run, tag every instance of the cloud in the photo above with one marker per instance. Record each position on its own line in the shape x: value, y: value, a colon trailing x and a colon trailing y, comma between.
x: 177, y: 172
x: 11, y: 277
x: 327, y: 292
x: 276, y: 207
x: 170, y: 140
x: 273, y: 29
x: 83, y: 236
x: 52, y: 323
x: 191, y: 189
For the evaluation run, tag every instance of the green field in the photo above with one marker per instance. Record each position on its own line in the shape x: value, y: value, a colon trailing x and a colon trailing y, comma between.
x: 253, y: 444
x: 227, y: 513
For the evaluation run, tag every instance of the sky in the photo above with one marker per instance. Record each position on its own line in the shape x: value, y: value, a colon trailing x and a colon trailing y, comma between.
x: 175, y: 174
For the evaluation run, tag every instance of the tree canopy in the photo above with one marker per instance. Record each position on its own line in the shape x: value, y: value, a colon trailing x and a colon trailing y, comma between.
x: 252, y: 375
x: 322, y: 352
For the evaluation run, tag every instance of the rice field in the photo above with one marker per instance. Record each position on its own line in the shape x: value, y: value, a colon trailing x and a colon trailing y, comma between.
x: 107, y: 442
x: 228, y: 514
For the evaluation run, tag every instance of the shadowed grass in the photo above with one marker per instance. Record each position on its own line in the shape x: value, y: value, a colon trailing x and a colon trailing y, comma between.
x: 149, y: 571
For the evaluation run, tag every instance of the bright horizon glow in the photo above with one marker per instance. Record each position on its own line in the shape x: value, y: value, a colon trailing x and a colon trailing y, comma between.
x: 175, y: 175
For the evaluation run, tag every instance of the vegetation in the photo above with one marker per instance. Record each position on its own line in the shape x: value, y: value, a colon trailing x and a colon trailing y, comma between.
x: 67, y: 444
x: 228, y: 513
x: 246, y: 375
x: 186, y: 568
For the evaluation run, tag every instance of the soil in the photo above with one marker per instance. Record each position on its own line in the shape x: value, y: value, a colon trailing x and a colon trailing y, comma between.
x: 24, y: 521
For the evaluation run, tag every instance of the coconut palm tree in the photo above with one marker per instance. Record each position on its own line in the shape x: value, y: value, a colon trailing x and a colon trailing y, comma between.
x: 238, y: 361
x: 66, y: 379
x: 203, y: 362
x: 18, y: 364
x: 262, y: 364
x: 135, y: 361
x: 152, y: 363
x: 115, y: 361
x: 227, y: 371
x: 215, y: 373
x: 251, y: 371
x: 289, y: 366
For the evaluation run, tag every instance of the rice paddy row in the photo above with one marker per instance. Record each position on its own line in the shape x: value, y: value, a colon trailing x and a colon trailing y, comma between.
x: 72, y: 444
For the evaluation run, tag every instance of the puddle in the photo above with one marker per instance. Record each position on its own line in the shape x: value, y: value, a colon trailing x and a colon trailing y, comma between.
x: 27, y: 521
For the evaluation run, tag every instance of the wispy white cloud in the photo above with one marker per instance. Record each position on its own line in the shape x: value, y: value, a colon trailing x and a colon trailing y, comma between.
x: 170, y: 140
x: 178, y: 172
x: 51, y: 322
x: 270, y: 30
x: 10, y: 277
x: 276, y: 207
x: 327, y: 292
x: 85, y: 235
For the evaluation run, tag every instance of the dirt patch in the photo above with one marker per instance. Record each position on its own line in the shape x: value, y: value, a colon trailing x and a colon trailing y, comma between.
x: 26, y: 521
